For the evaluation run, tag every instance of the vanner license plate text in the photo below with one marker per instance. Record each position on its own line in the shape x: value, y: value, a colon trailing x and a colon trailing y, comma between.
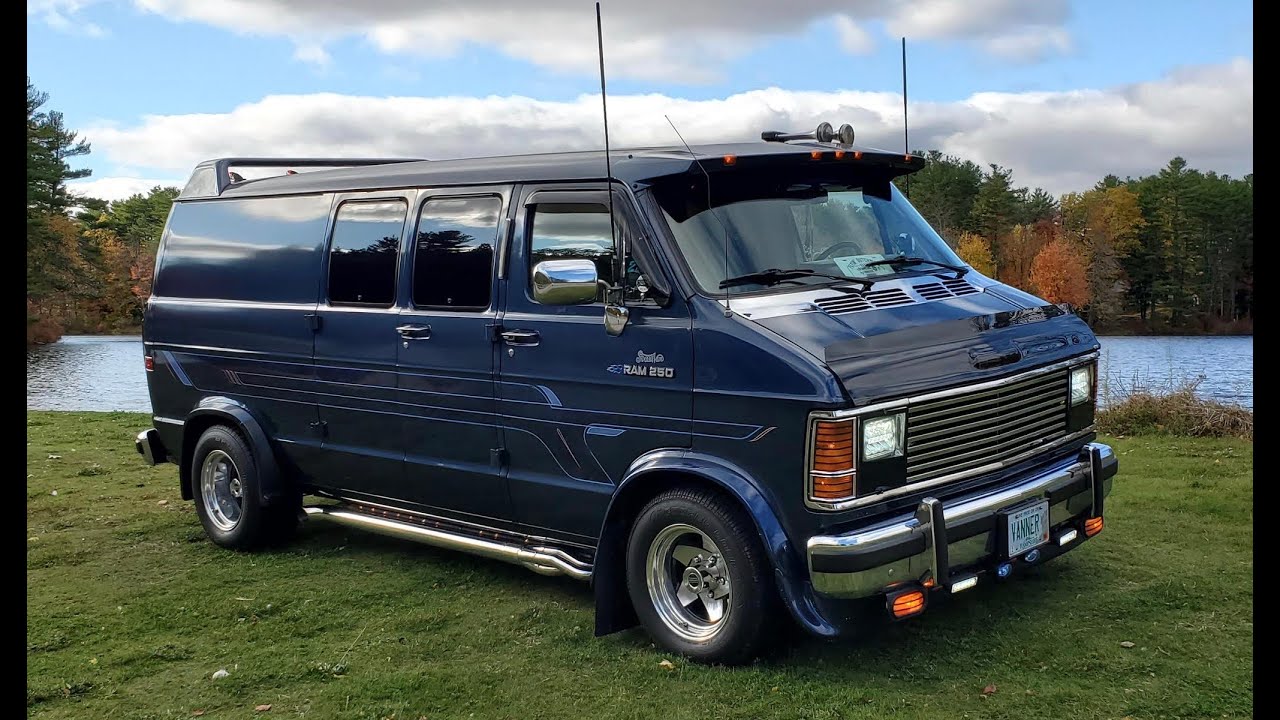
x: 1028, y: 527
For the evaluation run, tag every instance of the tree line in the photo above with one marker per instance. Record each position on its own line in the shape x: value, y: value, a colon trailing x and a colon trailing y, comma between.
x: 89, y: 262
x: 1166, y: 253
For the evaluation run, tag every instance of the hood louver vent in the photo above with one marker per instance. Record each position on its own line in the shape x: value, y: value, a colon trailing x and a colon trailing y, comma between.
x: 893, y: 297
x: 955, y: 287
x: 875, y: 299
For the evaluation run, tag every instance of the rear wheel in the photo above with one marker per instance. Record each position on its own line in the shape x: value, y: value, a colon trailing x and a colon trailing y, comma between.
x: 224, y: 476
x: 698, y: 577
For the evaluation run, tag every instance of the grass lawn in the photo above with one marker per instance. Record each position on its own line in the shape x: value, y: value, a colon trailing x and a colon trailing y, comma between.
x: 130, y: 611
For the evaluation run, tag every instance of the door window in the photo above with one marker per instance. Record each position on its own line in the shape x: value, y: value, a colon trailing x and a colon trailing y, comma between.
x: 363, y: 251
x: 453, y: 259
x: 563, y: 231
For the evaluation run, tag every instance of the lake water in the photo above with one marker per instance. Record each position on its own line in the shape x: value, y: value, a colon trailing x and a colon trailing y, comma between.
x: 82, y: 372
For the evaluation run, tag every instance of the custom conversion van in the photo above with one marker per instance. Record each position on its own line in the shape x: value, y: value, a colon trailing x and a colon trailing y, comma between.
x: 714, y: 382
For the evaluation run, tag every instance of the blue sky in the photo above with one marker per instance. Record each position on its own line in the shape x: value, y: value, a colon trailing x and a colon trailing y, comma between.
x: 174, y: 80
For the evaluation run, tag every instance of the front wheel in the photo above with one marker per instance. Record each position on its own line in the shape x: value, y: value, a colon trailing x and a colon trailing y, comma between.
x: 698, y: 577
x: 224, y: 475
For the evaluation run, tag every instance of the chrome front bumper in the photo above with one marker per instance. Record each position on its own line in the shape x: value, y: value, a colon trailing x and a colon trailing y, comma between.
x: 940, y: 537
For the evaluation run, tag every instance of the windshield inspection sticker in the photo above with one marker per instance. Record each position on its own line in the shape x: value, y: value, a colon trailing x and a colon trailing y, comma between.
x: 646, y: 365
x: 856, y: 265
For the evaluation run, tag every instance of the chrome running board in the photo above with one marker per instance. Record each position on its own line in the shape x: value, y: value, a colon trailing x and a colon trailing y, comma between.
x: 542, y: 560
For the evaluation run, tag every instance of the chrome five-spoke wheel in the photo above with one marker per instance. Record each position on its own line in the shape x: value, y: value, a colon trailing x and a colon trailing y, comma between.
x: 221, y: 490
x: 688, y: 582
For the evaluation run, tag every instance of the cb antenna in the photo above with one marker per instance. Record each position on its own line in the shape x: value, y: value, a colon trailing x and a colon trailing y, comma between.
x: 710, y: 209
x: 906, y: 141
x: 608, y: 164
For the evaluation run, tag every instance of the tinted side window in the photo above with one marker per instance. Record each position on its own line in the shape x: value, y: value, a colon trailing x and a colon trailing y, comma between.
x: 563, y: 231
x: 453, y: 259
x: 362, y: 254
x: 251, y: 249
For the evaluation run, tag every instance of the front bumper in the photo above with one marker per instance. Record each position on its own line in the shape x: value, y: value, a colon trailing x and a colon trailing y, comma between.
x: 946, y: 541
x: 150, y: 447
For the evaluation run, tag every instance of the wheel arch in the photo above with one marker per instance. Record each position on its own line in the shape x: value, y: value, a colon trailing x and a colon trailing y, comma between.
x: 661, y: 470
x: 272, y: 485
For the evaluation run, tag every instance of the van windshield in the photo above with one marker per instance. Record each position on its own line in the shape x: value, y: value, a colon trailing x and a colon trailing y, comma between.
x: 828, y: 228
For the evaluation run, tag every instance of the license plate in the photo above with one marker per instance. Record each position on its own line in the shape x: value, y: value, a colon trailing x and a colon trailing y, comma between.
x: 1027, y: 527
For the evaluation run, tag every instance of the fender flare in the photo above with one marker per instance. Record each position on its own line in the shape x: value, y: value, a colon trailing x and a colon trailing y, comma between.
x: 272, y: 485
x: 659, y: 469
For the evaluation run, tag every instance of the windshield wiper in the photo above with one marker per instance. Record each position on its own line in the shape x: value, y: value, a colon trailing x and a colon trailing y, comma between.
x: 773, y: 276
x: 960, y: 270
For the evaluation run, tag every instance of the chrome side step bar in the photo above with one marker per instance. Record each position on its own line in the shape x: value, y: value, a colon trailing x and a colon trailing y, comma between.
x: 542, y: 560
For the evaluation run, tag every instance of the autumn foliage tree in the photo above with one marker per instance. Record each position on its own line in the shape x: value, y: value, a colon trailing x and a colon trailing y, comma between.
x: 975, y: 251
x: 1058, y: 274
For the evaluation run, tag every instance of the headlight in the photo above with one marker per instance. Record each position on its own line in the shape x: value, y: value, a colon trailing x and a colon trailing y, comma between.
x: 882, y: 437
x: 1081, y: 384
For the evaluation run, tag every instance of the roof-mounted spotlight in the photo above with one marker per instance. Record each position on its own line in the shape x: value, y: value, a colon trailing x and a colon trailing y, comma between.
x: 824, y: 133
x: 844, y: 135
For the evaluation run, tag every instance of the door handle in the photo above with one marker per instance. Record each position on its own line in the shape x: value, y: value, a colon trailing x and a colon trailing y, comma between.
x: 520, y: 337
x: 414, y: 332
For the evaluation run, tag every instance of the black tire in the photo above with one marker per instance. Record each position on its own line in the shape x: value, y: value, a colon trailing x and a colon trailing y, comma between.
x: 243, y: 522
x: 747, y: 626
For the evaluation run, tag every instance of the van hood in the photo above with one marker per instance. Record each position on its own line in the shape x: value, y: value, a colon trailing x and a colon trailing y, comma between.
x: 916, y: 335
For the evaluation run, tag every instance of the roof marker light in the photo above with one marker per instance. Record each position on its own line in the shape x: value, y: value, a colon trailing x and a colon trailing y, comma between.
x: 839, y: 154
x: 730, y: 160
x: 857, y: 154
x: 816, y: 155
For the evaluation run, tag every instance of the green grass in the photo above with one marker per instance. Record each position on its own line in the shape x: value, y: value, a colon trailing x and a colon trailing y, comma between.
x: 130, y: 611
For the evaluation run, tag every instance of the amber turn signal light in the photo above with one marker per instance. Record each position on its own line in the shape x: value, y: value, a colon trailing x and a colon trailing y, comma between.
x: 832, y: 488
x: 1092, y: 526
x: 905, y: 603
x: 832, y: 462
x: 833, y: 447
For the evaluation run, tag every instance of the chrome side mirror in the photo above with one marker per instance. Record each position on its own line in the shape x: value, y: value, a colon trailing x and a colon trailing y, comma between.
x: 565, y: 282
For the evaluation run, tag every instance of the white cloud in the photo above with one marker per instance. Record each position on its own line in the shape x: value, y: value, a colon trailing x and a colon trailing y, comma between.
x: 854, y: 39
x: 1059, y: 140
x: 64, y: 16
x: 313, y: 53
x: 674, y: 40
x: 1029, y: 46
x: 118, y: 188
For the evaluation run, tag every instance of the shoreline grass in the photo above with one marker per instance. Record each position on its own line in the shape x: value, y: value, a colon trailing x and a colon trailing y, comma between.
x: 130, y: 611
x: 1178, y: 412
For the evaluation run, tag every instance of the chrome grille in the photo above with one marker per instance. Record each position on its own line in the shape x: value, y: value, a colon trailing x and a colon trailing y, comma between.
x: 964, y: 432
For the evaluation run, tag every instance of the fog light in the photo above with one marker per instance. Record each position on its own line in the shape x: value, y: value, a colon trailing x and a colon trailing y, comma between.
x: 905, y: 603
x: 1092, y: 526
x: 1067, y: 537
x: 965, y: 584
x: 1004, y: 569
x: 1032, y: 555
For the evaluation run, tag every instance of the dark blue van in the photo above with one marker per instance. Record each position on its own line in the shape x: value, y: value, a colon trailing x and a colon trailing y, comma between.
x: 713, y: 382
